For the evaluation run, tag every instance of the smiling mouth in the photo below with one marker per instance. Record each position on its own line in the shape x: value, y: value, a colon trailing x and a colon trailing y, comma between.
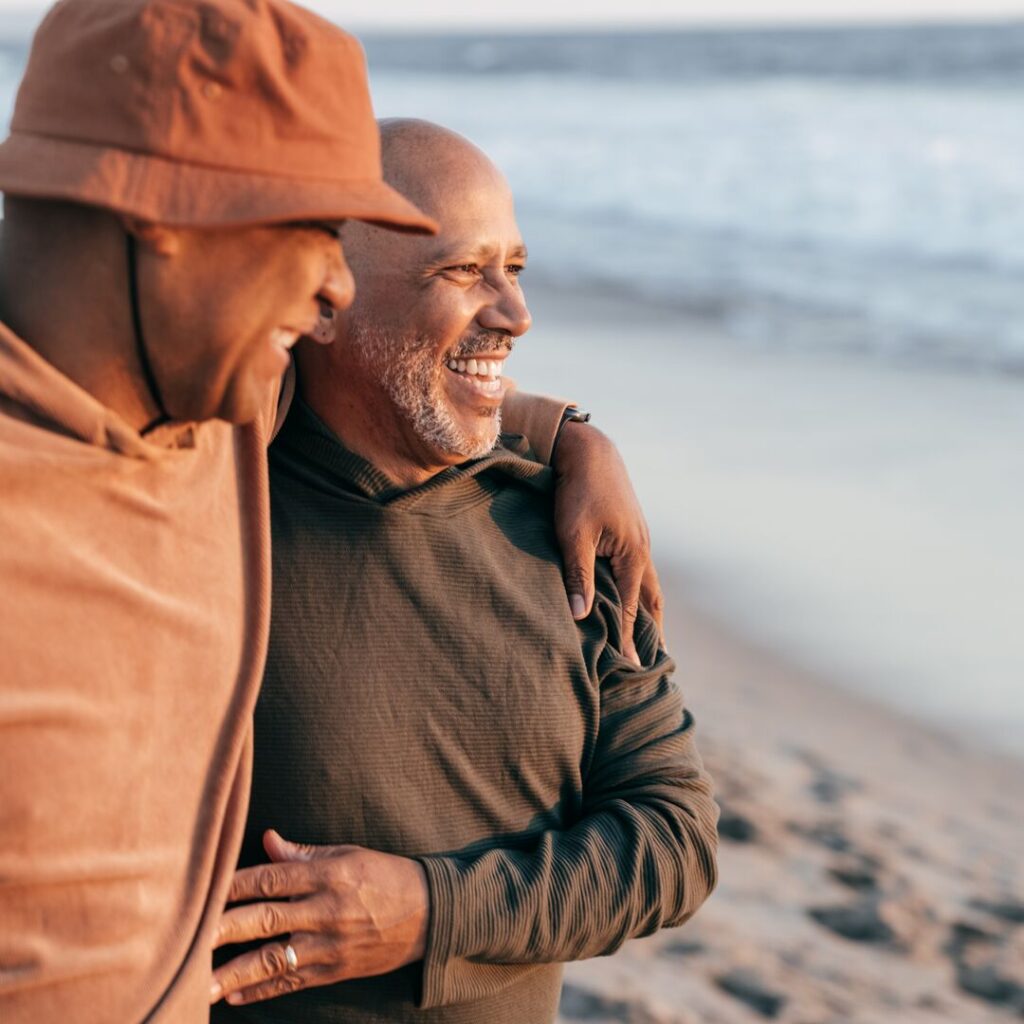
x: 483, y: 374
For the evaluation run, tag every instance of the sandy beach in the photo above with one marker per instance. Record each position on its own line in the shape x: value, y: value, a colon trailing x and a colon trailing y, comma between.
x: 869, y: 866
x: 873, y: 818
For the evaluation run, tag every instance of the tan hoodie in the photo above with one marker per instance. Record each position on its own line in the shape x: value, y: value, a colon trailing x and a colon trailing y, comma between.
x: 133, y: 623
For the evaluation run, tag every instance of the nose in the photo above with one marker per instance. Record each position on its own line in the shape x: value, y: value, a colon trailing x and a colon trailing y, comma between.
x: 507, y: 312
x: 339, y: 287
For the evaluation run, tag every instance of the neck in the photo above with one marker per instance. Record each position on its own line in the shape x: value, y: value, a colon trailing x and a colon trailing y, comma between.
x: 64, y: 291
x: 364, y: 417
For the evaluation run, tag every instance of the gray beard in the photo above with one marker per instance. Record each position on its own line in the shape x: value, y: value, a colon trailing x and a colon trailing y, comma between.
x: 406, y: 368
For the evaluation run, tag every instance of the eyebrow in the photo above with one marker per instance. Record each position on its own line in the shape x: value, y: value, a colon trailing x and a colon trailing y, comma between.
x: 476, y: 253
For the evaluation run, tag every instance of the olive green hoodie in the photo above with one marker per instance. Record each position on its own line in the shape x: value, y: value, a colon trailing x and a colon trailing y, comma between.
x: 429, y: 694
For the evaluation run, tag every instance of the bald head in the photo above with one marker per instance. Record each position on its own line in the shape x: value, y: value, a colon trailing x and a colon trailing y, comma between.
x: 436, y: 168
x: 433, y: 165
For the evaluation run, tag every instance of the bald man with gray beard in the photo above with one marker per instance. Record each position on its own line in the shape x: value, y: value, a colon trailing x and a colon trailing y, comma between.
x: 428, y: 693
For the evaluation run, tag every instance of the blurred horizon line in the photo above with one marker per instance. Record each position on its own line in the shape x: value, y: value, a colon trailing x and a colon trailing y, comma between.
x: 18, y: 22
x: 683, y: 27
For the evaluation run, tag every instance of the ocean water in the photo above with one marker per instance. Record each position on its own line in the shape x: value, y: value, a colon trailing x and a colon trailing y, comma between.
x: 856, y: 189
x: 844, y: 188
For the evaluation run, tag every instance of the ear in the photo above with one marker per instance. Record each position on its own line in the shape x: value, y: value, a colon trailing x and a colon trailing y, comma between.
x: 159, y: 238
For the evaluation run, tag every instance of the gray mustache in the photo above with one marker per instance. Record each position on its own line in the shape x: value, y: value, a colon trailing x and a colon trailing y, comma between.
x: 490, y: 342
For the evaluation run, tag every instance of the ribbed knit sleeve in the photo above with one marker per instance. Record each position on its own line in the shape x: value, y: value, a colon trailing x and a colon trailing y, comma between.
x: 641, y: 856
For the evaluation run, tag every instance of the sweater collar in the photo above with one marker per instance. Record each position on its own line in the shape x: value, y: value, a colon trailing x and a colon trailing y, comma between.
x: 307, y: 438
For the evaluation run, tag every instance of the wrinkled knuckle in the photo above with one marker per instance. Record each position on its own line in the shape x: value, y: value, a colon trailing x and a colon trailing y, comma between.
x: 272, y: 960
x: 268, y: 883
x: 576, y: 576
x: 288, y: 983
x: 633, y: 553
x: 271, y: 989
x: 272, y: 919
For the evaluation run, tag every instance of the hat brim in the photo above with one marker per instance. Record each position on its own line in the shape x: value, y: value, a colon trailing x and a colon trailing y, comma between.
x: 190, y: 195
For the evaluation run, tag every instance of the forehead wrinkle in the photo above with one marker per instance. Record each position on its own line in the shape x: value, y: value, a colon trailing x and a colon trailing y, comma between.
x: 475, y: 250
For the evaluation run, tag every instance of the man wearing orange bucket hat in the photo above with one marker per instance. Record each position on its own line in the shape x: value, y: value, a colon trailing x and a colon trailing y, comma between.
x: 174, y: 179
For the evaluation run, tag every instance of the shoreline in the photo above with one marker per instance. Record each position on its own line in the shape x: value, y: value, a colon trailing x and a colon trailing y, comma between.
x: 854, y: 515
x: 720, y: 664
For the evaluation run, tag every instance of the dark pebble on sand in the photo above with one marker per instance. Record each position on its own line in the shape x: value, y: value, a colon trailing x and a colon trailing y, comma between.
x: 830, y: 787
x: 746, y: 986
x: 963, y: 934
x: 825, y: 833
x: 860, y: 878
x: 1009, y: 910
x: 985, y: 982
x: 685, y: 947
x: 859, y: 922
x: 735, y: 826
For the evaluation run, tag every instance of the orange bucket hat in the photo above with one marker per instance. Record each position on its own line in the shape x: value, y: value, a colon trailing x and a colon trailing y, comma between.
x: 200, y: 114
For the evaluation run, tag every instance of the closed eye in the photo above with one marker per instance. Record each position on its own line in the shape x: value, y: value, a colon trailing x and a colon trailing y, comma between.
x: 326, y: 227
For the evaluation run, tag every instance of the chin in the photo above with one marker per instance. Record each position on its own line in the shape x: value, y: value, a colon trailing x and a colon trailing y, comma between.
x: 481, y: 437
x: 475, y: 448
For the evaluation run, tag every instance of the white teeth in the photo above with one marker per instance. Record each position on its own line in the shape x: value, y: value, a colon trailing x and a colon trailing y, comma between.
x: 489, y: 369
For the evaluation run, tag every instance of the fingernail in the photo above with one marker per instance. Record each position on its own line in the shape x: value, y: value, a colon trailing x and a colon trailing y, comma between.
x: 215, y: 992
x: 235, y: 998
x: 578, y: 606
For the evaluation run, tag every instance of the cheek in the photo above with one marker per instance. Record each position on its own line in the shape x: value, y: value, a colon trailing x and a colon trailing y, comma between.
x: 283, y: 285
x: 444, y: 315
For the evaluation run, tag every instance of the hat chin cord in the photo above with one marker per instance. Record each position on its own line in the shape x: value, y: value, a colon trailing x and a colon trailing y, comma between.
x: 140, y: 340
